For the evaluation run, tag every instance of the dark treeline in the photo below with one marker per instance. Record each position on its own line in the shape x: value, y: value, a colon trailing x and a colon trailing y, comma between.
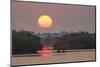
x: 79, y: 40
x: 25, y: 42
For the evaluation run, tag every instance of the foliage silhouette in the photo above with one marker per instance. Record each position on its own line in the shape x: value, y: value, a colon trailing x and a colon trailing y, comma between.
x: 25, y: 42
x: 78, y: 40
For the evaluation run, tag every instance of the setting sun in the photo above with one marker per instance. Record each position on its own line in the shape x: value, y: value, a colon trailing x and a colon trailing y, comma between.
x: 45, y: 21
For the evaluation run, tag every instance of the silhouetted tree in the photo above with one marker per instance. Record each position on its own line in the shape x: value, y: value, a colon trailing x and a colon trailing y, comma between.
x: 78, y: 40
x: 25, y: 42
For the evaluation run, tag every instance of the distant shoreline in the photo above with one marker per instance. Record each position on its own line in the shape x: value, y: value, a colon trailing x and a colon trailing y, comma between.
x: 54, y: 51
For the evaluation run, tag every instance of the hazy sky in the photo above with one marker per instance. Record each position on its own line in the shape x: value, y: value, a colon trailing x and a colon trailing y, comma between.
x: 65, y: 17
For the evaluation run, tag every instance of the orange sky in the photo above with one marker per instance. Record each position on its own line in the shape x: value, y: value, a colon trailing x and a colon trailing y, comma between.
x: 67, y: 17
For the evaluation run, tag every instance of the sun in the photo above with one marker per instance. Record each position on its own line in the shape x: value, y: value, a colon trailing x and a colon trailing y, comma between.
x: 45, y: 21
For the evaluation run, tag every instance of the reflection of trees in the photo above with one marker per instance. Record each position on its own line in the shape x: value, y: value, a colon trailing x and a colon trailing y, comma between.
x: 25, y: 42
x: 79, y: 40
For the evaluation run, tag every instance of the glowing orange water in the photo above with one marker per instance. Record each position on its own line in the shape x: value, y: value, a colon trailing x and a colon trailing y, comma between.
x: 46, y: 51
